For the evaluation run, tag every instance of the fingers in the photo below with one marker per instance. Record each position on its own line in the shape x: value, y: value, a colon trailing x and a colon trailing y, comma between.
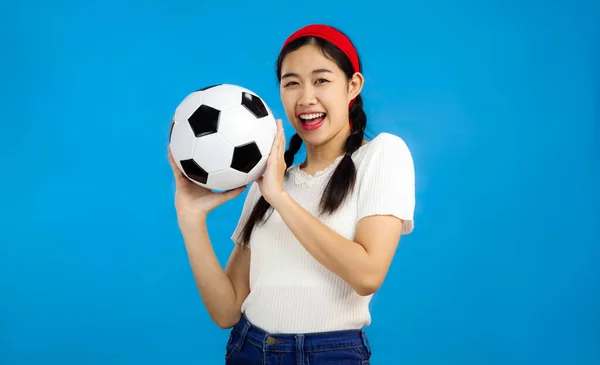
x: 279, y: 142
x: 275, y: 146
x: 281, y: 134
x: 280, y: 129
x: 282, y: 143
x: 230, y: 194
x: 178, y: 174
x: 172, y: 161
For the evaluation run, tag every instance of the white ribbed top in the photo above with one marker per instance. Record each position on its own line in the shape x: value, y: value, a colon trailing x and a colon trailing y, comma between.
x: 291, y: 292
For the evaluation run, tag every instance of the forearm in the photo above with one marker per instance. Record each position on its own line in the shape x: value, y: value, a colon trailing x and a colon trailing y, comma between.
x: 214, y: 286
x: 344, y: 257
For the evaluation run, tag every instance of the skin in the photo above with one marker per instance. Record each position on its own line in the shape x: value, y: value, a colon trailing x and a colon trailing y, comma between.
x: 363, y: 262
x: 222, y: 291
x: 311, y: 82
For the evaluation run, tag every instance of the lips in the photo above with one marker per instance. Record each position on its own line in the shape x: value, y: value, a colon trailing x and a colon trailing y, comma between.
x: 311, y: 120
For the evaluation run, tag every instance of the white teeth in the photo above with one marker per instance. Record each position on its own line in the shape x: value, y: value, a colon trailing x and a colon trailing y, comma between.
x: 311, y: 116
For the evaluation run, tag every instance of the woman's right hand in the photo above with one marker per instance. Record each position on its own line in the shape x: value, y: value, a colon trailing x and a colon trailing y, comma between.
x: 193, y: 201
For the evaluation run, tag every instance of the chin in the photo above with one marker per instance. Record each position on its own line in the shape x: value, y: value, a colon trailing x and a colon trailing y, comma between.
x: 314, y: 141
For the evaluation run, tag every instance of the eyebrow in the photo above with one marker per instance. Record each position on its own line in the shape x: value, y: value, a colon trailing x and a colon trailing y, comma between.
x: 317, y: 71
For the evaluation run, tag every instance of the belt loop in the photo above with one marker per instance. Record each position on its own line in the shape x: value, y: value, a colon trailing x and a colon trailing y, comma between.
x: 365, y: 341
x: 299, y: 349
x: 243, y: 332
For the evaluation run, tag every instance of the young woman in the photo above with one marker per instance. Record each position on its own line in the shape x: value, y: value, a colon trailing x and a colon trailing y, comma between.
x: 314, y: 240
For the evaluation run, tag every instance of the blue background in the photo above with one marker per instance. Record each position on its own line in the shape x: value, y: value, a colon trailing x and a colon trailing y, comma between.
x: 499, y: 103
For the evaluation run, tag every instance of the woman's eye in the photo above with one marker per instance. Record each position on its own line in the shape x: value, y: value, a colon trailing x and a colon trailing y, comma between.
x: 321, y: 81
x: 290, y: 83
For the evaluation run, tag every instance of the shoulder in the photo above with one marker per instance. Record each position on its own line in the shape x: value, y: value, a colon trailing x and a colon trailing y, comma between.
x: 386, y: 179
x: 385, y: 147
x: 386, y: 155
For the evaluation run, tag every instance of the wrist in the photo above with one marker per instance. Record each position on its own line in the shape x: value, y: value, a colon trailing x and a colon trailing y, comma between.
x: 191, y: 221
x: 279, y: 200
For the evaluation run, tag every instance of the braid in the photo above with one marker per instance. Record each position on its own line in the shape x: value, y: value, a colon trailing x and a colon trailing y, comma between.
x: 353, y: 142
x: 344, y: 177
x: 294, y: 147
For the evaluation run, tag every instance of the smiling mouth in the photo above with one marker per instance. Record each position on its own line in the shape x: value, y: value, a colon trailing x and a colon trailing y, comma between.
x: 311, y: 121
x: 312, y: 118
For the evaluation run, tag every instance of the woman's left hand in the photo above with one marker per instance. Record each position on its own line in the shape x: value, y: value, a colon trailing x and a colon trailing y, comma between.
x: 271, y: 183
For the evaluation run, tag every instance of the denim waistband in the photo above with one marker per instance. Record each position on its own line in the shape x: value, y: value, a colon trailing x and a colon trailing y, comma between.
x: 308, y: 342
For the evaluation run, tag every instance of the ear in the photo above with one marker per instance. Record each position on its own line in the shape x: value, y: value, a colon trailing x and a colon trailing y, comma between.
x: 355, y: 85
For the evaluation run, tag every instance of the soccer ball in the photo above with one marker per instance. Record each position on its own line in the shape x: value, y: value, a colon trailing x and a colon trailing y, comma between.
x: 221, y: 136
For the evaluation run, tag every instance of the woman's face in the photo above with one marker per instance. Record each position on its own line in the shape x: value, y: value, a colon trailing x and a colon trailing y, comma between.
x: 315, y: 94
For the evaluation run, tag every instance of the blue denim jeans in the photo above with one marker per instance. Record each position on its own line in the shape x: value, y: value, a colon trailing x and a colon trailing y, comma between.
x: 251, y: 345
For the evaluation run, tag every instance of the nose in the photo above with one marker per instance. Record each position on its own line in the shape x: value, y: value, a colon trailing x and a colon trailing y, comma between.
x: 307, y: 97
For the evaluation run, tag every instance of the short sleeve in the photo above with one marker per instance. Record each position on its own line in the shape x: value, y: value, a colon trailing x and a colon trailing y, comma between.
x: 251, y: 199
x: 387, y: 181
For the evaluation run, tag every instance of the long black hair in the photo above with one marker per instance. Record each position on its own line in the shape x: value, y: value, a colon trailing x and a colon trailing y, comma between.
x: 342, y: 181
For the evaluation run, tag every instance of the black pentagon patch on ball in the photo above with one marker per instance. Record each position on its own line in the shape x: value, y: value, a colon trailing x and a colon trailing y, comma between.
x: 194, y: 172
x: 254, y: 105
x: 245, y: 157
x: 209, y: 87
x: 205, y: 120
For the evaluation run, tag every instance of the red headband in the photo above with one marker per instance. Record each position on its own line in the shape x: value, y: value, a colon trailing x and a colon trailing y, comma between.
x: 332, y: 35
